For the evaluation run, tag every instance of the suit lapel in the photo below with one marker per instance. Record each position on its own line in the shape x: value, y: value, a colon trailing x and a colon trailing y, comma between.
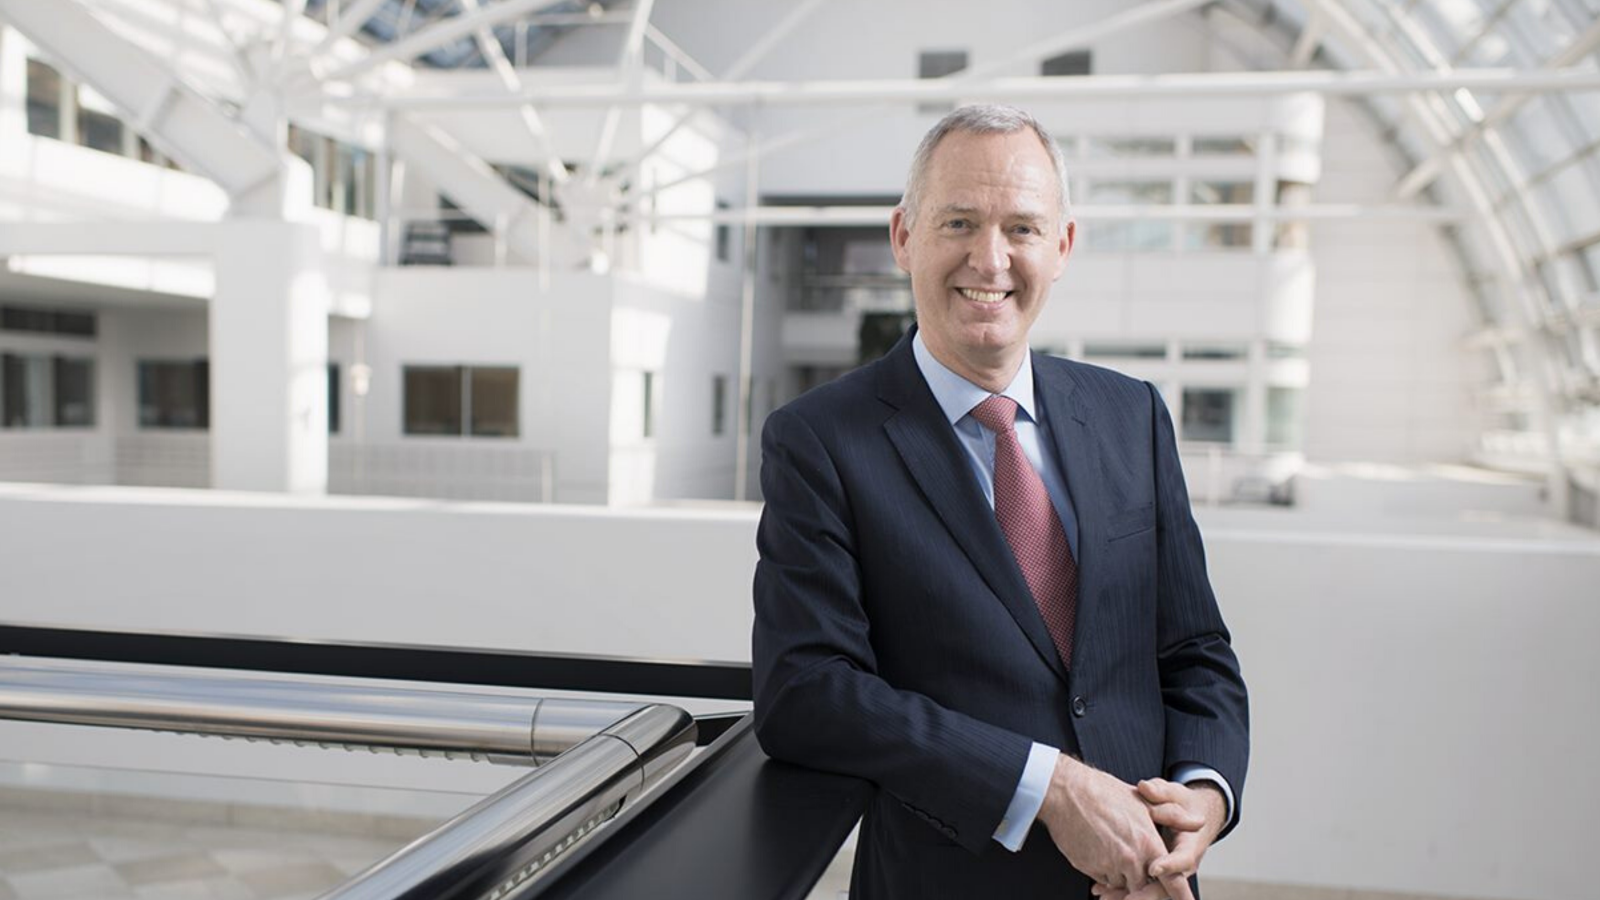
x: 1069, y: 416
x: 933, y: 454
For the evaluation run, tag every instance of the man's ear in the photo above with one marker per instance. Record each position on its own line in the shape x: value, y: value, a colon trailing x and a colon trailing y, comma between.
x: 899, y: 237
x: 1068, y: 237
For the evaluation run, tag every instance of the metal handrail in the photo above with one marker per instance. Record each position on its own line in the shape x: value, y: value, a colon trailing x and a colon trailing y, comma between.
x: 454, y: 724
x: 512, y: 836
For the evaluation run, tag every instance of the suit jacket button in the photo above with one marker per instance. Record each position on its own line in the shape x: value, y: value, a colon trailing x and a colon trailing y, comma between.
x: 1080, y: 708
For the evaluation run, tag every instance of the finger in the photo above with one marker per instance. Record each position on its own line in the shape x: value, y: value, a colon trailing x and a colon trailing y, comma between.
x: 1177, y: 816
x: 1183, y: 860
x: 1177, y: 886
x: 1160, y: 790
x: 1153, y: 890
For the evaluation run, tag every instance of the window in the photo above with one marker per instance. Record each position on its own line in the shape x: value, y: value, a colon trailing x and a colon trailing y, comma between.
x: 1122, y: 235
x: 1213, y: 352
x: 1208, y: 414
x: 98, y: 125
x: 1231, y: 145
x: 492, y: 401
x: 1076, y: 62
x: 175, y: 394
x: 648, y: 427
x: 433, y: 399
x: 938, y: 64
x: 1117, y: 350
x: 344, y: 177
x: 719, y: 404
x: 1104, y: 147
x: 480, y: 401
x: 333, y: 398
x: 46, y: 321
x: 39, y: 391
x: 44, y: 100
x: 1220, y: 234
x: 724, y: 237
x: 1283, y: 417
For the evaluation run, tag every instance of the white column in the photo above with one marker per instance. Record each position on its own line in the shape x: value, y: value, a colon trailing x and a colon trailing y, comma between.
x: 269, y: 359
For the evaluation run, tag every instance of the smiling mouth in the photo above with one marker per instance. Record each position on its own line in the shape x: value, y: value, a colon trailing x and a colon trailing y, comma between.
x: 983, y: 296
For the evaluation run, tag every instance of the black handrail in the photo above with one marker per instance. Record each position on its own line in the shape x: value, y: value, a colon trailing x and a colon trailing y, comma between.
x: 410, y: 662
x: 730, y: 823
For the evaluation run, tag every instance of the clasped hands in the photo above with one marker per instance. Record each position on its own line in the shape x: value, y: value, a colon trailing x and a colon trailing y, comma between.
x: 1112, y: 831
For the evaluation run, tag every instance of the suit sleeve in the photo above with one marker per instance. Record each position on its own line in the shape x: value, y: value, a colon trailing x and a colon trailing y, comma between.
x: 819, y: 700
x: 1202, y: 691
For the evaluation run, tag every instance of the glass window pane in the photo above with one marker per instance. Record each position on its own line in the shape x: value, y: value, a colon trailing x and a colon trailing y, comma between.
x: 1123, y: 350
x: 44, y: 100
x: 494, y: 401
x: 1214, y: 352
x: 99, y: 131
x: 1229, y: 145
x: 648, y: 426
x: 1128, y: 192
x: 1103, y: 147
x: 74, y: 400
x: 719, y: 404
x: 26, y: 398
x: 1218, y: 236
x: 1208, y: 414
x: 1222, y: 192
x: 1075, y: 62
x: 174, y: 394
x: 432, y: 399
x: 1284, y: 417
x: 333, y: 398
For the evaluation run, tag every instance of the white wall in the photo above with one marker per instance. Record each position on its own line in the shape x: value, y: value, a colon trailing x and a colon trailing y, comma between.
x: 1421, y: 689
x: 1390, y: 379
x: 559, y: 338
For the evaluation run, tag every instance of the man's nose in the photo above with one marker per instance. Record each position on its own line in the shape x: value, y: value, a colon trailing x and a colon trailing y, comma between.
x: 989, y: 253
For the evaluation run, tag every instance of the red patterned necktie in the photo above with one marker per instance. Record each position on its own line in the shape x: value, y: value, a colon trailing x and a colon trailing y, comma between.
x: 1031, y: 526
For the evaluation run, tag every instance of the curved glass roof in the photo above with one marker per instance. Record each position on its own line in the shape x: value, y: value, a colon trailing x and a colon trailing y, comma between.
x: 1524, y: 169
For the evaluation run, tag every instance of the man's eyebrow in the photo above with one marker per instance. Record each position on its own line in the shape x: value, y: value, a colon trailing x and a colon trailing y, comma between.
x: 958, y: 209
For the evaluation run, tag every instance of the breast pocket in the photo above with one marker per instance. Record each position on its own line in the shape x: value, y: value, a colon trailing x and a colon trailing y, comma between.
x: 1129, y: 522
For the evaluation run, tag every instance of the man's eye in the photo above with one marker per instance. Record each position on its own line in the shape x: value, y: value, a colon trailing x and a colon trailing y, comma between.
x: 1026, y: 229
x: 957, y: 224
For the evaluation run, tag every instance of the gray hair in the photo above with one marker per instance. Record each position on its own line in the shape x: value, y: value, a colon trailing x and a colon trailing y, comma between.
x: 981, y: 119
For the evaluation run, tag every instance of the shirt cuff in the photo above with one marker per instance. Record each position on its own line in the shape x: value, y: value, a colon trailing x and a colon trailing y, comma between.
x: 1188, y: 773
x: 1029, y: 797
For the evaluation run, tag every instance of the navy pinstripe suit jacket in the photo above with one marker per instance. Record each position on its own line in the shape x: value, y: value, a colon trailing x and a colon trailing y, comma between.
x: 896, y: 640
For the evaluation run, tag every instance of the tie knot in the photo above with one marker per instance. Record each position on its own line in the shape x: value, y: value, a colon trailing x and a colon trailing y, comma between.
x: 998, y: 413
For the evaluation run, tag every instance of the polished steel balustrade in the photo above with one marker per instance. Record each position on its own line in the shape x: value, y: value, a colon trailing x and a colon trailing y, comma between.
x: 490, y: 850
x: 476, y: 725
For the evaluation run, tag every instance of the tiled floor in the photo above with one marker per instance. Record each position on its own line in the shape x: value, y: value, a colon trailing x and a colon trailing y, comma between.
x: 48, y: 855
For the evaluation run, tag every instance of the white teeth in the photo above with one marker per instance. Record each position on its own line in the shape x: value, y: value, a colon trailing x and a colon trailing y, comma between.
x: 983, y: 296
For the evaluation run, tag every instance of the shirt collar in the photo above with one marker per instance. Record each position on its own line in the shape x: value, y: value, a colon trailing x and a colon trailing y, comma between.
x: 957, y: 396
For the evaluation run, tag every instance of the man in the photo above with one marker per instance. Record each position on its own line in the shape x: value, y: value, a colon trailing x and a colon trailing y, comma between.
x: 980, y: 584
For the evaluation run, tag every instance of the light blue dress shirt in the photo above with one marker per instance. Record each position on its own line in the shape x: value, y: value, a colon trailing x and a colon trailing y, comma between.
x: 956, y: 397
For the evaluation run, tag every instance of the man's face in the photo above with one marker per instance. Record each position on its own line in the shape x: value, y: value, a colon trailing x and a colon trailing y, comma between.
x: 986, y: 245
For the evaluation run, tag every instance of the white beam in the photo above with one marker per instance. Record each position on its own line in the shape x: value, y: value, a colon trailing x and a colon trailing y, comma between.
x: 123, y: 238
x: 495, y: 56
x: 437, y: 35
x: 630, y: 66
x: 1310, y: 39
x: 349, y: 22
x: 1424, y: 173
x: 470, y: 184
x: 1084, y: 213
x: 184, y: 125
x: 911, y: 90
